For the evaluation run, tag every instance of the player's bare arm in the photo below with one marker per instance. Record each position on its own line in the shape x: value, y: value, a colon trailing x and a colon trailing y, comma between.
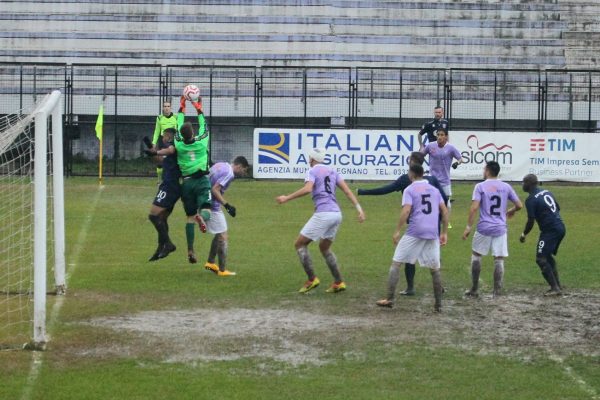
x: 401, y: 222
x: 444, y: 231
x: 472, y: 212
x: 527, y: 229
x: 303, y: 191
x: 517, y: 206
x: 344, y: 187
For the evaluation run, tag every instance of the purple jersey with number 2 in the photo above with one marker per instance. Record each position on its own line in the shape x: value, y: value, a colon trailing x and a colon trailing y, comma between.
x: 424, y: 215
x: 325, y: 181
x: 493, y: 196
x: 220, y: 173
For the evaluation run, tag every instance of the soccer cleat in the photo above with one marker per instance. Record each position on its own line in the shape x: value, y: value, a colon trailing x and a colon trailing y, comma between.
x: 167, y: 248
x: 201, y: 223
x: 553, y: 292
x: 226, y: 273
x: 408, y: 292
x: 336, y: 287
x: 192, y: 258
x: 310, y: 285
x: 154, y: 256
x: 212, y: 267
x: 471, y: 293
x: 385, y: 303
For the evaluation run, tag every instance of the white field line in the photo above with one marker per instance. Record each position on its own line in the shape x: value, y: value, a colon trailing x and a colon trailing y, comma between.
x: 38, y: 356
x: 573, y: 375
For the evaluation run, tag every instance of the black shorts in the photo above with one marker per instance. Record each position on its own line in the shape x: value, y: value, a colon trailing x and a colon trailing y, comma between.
x: 167, y: 195
x: 549, y: 242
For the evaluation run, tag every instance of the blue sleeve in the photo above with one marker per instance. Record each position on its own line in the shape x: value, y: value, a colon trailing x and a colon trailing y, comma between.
x: 436, y: 184
x: 397, y: 186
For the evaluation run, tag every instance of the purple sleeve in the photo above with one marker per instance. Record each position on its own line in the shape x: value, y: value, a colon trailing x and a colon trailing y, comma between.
x: 456, y: 153
x: 407, y: 197
x: 512, y: 195
x: 426, y: 150
x: 310, y: 176
x: 476, y: 193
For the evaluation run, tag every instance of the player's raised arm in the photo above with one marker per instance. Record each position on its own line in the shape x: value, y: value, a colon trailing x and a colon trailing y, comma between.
x: 303, y: 191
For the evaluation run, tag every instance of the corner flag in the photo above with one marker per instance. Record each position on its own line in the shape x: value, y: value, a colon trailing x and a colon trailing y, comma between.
x: 100, y: 122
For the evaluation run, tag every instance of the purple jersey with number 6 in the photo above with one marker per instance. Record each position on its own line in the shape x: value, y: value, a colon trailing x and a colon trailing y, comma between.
x: 325, y: 181
x: 493, y: 196
x: 220, y: 173
x: 424, y: 215
x: 440, y: 160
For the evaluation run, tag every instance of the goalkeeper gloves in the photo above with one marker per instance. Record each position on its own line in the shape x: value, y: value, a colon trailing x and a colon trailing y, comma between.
x: 147, y: 142
x: 198, y: 105
x: 230, y: 209
x: 182, y: 104
x: 455, y: 165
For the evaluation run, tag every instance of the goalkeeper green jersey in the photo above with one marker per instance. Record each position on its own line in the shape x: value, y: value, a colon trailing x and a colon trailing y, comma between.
x: 192, y: 157
x: 163, y: 122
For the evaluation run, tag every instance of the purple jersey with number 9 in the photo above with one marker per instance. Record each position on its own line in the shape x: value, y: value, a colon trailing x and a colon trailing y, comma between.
x: 424, y: 215
x: 325, y: 181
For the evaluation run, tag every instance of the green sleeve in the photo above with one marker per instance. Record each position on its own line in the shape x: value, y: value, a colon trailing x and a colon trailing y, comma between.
x: 180, y: 120
x: 156, y: 131
x: 202, y: 131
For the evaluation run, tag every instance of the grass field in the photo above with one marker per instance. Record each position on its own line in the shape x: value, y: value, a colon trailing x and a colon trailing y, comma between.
x: 129, y: 329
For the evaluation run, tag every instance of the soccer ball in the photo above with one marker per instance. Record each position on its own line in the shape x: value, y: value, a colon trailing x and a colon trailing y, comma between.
x: 191, y: 92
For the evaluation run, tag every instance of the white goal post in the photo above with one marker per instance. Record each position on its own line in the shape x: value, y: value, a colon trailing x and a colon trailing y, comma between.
x: 32, y: 227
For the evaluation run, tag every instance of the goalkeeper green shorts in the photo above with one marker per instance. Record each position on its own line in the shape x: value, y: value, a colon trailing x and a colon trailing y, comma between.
x: 195, y: 194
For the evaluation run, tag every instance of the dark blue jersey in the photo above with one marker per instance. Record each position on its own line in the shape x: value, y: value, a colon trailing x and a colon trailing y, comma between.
x: 400, y: 184
x: 543, y: 207
x: 431, y: 127
x: 171, y: 171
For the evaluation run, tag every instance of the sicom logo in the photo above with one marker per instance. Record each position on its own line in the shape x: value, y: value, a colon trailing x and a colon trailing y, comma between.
x: 273, y: 148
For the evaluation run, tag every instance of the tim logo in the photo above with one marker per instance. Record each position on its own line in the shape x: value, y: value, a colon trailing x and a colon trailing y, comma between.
x: 551, y: 144
x: 273, y: 148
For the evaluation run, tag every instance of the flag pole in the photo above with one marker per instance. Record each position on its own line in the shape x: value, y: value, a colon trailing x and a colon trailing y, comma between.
x: 99, y: 134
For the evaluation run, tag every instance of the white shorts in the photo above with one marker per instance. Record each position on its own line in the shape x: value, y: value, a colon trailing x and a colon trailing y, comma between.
x: 217, y: 223
x: 447, y: 190
x: 323, y: 225
x: 411, y: 249
x: 498, y: 245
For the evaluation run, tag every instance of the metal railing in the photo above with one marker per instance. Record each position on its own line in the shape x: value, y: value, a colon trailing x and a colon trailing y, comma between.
x: 238, y: 99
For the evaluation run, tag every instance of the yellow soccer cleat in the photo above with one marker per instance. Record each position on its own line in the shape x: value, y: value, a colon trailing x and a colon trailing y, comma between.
x: 309, y: 285
x: 336, y: 287
x: 225, y: 273
x: 211, y: 267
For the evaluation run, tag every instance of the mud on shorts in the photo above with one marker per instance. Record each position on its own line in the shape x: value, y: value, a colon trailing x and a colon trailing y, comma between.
x: 195, y: 194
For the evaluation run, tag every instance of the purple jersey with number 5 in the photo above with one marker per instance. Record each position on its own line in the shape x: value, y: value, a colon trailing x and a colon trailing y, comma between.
x: 493, y: 196
x: 440, y: 160
x: 220, y: 173
x: 325, y: 181
x: 424, y: 215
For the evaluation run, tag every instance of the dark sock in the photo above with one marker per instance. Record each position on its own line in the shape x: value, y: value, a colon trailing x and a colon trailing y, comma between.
x: 159, y: 225
x: 222, y: 253
x: 552, y: 262
x: 436, y: 277
x: 189, y: 235
x: 475, y: 272
x: 409, y: 273
x: 331, y: 262
x: 547, y: 272
x: 212, y: 253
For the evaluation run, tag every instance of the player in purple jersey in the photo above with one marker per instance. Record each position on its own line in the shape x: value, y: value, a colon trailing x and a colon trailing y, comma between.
x: 423, y: 204
x: 221, y: 175
x: 441, y: 153
x: 491, y: 198
x: 321, y: 181
x: 542, y: 207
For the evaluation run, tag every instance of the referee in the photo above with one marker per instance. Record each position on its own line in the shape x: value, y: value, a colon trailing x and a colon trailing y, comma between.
x: 430, y: 128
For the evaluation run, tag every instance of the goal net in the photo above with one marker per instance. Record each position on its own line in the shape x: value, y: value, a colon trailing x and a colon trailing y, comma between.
x: 31, y: 220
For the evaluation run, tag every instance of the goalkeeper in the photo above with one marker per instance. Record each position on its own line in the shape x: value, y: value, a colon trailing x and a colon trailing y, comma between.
x: 192, y: 157
x: 163, y: 121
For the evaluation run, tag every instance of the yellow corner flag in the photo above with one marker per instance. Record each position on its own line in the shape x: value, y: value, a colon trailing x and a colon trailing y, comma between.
x: 100, y: 122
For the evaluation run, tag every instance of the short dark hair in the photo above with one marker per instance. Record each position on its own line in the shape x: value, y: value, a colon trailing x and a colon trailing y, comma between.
x: 417, y: 170
x: 530, y: 180
x: 441, y: 130
x: 438, y: 108
x: 241, y: 161
x: 493, y: 168
x: 416, y: 157
x: 187, y: 131
x: 172, y: 131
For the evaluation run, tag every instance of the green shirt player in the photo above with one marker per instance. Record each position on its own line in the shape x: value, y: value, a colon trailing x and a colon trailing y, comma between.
x: 192, y: 157
x: 164, y: 121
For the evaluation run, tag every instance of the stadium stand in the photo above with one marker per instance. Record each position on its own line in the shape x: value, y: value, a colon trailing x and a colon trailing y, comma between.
x: 416, y: 33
